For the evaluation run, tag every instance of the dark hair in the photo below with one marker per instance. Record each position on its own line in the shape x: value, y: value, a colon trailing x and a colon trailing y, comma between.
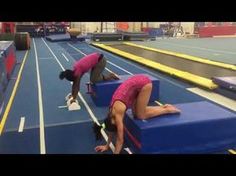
x: 100, y: 56
x: 108, y: 126
x: 68, y: 74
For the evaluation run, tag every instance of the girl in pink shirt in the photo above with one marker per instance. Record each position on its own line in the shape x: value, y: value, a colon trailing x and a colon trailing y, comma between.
x: 95, y: 62
x: 133, y: 93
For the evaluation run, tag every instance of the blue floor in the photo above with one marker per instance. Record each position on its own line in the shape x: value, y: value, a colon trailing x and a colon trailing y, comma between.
x: 66, y: 132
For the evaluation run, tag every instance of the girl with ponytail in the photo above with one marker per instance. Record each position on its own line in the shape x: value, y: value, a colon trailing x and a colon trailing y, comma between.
x: 133, y: 93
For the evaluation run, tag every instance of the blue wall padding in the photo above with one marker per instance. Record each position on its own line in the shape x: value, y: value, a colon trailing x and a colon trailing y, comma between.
x: 7, y: 50
x: 104, y: 90
x: 3, y: 82
x: 202, y: 127
x: 3, y: 73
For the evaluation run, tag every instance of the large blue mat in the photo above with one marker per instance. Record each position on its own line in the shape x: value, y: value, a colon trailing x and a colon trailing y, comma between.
x: 201, y: 127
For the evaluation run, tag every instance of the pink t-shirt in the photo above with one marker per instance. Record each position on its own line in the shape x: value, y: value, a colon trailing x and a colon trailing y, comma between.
x: 128, y: 91
x: 85, y: 64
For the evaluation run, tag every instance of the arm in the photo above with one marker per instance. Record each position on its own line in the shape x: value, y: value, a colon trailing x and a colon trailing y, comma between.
x: 103, y: 148
x: 109, y: 140
x: 76, y: 87
x: 120, y: 133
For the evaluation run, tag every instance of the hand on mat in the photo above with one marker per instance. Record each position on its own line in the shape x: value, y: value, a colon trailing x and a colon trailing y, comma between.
x: 101, y: 148
x: 171, y: 109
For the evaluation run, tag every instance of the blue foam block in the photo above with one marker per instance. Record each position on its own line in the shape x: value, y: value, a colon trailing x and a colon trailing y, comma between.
x: 105, y: 90
x: 59, y: 37
x: 202, y: 127
x: 65, y: 37
x: 226, y: 82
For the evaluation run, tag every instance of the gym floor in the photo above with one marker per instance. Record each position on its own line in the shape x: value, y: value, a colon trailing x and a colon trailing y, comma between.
x: 216, y: 49
x: 33, y: 118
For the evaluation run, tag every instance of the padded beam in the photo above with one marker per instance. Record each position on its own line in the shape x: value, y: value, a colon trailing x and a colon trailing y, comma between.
x: 201, y: 127
x: 104, y: 90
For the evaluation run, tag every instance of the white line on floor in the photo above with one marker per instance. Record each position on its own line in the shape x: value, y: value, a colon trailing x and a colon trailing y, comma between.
x: 63, y: 106
x: 65, y: 57
x: 40, y: 101
x: 21, y: 126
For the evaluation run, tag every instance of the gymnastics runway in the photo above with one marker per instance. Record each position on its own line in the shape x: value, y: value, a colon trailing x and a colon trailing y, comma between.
x: 33, y: 120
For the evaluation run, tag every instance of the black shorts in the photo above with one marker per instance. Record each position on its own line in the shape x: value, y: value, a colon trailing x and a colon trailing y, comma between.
x: 96, y: 72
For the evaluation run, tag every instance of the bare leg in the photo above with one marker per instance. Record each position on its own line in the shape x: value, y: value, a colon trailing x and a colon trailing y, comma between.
x: 143, y: 111
x: 96, y: 72
x: 134, y: 108
x: 110, y: 76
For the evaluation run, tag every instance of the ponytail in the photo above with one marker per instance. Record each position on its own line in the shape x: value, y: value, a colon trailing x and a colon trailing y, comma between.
x: 107, y: 124
x: 97, y: 130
